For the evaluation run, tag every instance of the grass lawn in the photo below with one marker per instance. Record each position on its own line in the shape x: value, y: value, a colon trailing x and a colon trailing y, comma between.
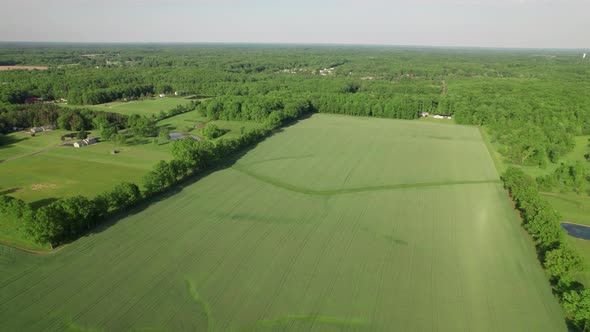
x: 187, y: 123
x: 18, y: 143
x: 147, y: 106
x: 333, y: 224
x: 68, y: 171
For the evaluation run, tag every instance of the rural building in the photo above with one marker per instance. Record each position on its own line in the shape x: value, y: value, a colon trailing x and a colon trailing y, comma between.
x: 85, y: 142
x: 176, y: 136
x: 442, y: 116
x: 326, y: 71
x: 42, y: 128
x: 423, y: 114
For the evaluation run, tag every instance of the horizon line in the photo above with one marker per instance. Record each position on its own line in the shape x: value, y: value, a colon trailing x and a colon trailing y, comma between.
x: 289, y: 44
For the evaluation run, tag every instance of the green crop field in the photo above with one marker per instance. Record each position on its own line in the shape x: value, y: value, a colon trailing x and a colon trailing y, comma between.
x: 145, y: 106
x: 333, y: 224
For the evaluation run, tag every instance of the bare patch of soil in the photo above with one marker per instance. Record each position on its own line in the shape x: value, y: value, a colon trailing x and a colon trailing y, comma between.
x: 42, y: 186
x: 23, y: 67
x: 202, y: 125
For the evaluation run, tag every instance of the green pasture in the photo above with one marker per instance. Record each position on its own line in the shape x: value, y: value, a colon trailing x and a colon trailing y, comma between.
x: 188, y: 122
x: 68, y: 171
x: 64, y: 171
x: 146, y: 106
x: 333, y: 224
x: 22, y: 143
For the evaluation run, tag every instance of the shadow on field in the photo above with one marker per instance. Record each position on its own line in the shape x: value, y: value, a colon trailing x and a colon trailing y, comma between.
x: 6, y: 141
x: 228, y: 163
x: 9, y: 191
x: 43, y: 202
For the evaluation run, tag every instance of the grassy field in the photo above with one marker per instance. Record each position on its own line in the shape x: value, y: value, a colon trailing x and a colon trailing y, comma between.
x: 20, y: 143
x: 67, y: 171
x: 187, y: 123
x: 334, y: 224
x: 145, y: 106
x: 64, y: 171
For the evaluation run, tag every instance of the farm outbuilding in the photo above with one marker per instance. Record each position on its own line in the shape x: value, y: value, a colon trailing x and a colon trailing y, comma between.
x: 442, y: 116
x: 86, y: 142
x: 42, y: 128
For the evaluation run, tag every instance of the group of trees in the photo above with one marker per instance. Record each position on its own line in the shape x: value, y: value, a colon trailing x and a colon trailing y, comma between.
x: 212, y: 131
x: 567, y: 177
x: 40, y: 114
x: 560, y: 260
x: 67, y: 218
x: 192, y: 156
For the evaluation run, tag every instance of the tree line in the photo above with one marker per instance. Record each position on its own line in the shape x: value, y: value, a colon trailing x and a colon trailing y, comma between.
x: 560, y: 260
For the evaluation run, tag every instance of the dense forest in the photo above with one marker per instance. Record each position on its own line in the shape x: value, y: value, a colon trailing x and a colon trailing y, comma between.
x: 533, y: 102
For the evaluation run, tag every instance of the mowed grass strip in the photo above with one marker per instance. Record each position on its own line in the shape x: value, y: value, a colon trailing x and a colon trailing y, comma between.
x: 233, y: 253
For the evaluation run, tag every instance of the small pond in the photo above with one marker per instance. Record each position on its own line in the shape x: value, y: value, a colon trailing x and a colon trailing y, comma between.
x: 575, y: 230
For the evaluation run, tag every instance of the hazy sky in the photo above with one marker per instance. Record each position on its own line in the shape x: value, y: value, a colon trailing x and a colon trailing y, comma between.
x: 492, y: 23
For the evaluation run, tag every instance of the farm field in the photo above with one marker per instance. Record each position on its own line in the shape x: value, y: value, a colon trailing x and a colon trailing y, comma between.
x: 145, y: 106
x: 333, y: 224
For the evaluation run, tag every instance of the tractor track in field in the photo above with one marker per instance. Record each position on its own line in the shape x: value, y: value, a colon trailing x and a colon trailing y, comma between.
x: 344, y: 191
x: 30, y: 251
